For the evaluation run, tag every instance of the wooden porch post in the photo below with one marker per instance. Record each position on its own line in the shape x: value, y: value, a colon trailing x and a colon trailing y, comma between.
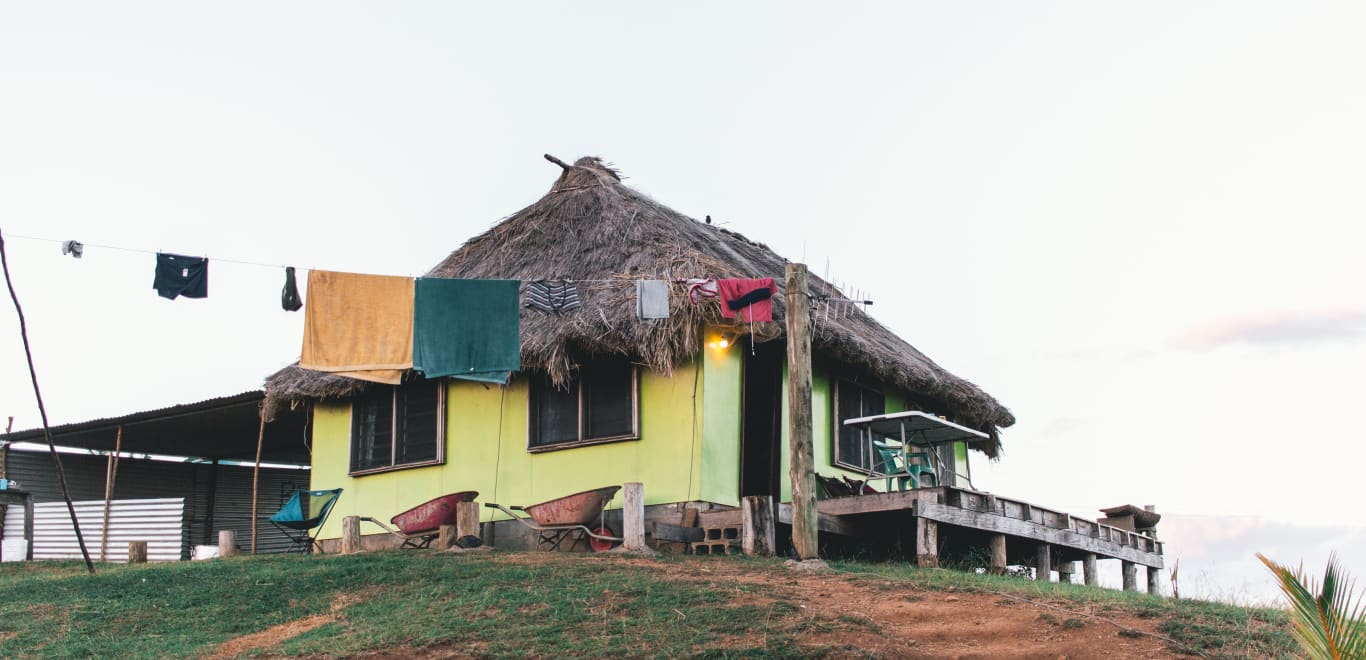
x: 802, y: 471
x: 111, y: 470
x: 998, y: 554
x: 633, y: 516
x: 1130, y: 571
x: 757, y: 536
x: 1044, y: 570
x: 927, y: 542
x: 1154, y: 581
x: 1088, y: 569
x: 1065, y: 571
x: 256, y: 475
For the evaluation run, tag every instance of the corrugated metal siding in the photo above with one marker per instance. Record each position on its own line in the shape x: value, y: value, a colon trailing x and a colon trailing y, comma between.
x: 159, y: 522
x: 147, y: 479
x: 14, y: 522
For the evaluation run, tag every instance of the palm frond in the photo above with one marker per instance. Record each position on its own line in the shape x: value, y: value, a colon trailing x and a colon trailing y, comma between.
x: 1327, y: 622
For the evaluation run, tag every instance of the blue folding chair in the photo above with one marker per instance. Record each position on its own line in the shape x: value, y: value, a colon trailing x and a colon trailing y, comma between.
x: 298, y: 519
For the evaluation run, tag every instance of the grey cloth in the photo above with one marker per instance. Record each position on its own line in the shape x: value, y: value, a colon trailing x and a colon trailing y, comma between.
x: 552, y: 296
x: 652, y: 299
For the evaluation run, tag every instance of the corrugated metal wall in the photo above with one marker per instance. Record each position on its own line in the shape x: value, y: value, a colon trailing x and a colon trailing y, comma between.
x: 159, y: 522
x: 225, y: 488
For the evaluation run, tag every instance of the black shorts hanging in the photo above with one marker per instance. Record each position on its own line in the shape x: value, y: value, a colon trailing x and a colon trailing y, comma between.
x: 179, y: 275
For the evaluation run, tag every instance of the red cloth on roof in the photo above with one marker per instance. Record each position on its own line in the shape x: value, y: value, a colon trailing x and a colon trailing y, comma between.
x: 736, y: 289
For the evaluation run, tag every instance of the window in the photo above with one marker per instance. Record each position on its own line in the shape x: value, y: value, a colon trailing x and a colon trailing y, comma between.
x: 597, y: 405
x: 393, y: 427
x: 853, y: 400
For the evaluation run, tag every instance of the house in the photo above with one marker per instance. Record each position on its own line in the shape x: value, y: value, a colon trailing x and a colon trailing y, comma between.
x: 692, y: 406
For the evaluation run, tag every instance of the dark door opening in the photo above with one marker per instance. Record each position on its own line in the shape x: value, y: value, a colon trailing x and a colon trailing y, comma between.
x: 761, y: 418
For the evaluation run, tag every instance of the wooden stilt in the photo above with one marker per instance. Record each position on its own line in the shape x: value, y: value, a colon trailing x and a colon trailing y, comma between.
x: 1130, y: 571
x: 1088, y: 569
x: 998, y: 554
x: 801, y: 471
x: 137, y: 552
x: 1044, y: 567
x: 111, y: 470
x: 633, y: 516
x: 227, y: 543
x: 256, y: 476
x: 1065, y: 570
x: 927, y: 542
x: 350, y: 535
x: 466, y: 519
x: 446, y: 536
x: 757, y: 535
x: 1154, y: 581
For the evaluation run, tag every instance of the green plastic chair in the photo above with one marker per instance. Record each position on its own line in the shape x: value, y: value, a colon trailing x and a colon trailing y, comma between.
x: 889, y: 461
x: 297, y: 524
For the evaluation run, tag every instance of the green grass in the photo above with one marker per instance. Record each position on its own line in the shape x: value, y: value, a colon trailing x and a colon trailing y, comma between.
x: 509, y: 604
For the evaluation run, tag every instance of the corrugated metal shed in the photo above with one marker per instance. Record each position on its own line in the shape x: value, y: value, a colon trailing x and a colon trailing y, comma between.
x: 159, y: 522
x: 216, y: 497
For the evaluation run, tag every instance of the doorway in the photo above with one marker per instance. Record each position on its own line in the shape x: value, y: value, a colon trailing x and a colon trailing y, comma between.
x: 761, y: 414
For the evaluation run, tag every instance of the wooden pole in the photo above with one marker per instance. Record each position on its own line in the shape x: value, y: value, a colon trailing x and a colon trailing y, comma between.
x: 227, y: 543
x: 1130, y: 571
x: 111, y: 470
x: 1065, y: 571
x: 350, y: 541
x: 927, y: 542
x: 801, y: 472
x: 757, y: 536
x: 137, y: 552
x: 998, y: 554
x: 466, y: 519
x: 445, y: 537
x: 256, y: 476
x: 633, y: 516
x: 1154, y: 581
x: 1088, y: 569
x: 1043, y: 572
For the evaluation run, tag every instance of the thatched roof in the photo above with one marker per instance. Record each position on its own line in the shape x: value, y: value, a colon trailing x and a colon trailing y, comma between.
x: 591, y: 226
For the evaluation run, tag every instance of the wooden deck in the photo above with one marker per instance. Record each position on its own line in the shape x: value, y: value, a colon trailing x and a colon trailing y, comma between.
x: 1023, y: 526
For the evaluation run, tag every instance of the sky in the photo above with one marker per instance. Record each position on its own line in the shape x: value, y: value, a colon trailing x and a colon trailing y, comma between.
x: 1137, y: 225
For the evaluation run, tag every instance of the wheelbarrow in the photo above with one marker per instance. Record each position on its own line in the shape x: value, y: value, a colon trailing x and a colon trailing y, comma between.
x: 420, y: 525
x: 568, y: 518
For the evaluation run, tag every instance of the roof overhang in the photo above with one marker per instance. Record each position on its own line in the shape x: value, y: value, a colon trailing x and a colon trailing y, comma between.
x: 223, y: 428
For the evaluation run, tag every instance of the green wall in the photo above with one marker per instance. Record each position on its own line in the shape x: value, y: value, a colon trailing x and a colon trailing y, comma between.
x: 487, y: 452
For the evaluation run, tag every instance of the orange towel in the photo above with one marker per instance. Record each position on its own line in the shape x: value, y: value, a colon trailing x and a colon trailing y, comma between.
x: 359, y: 326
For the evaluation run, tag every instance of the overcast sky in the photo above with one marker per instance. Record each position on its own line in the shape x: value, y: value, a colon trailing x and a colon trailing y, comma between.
x: 1138, y: 225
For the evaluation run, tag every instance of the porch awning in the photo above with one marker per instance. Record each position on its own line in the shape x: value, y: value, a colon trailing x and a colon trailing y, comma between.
x: 920, y: 428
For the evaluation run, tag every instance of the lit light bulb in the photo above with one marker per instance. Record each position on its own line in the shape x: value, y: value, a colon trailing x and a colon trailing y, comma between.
x: 723, y: 343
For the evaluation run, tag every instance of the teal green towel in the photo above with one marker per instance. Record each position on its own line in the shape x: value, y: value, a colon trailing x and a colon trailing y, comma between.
x: 467, y: 329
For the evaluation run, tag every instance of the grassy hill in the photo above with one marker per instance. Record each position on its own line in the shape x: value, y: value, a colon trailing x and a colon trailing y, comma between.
x: 491, y: 604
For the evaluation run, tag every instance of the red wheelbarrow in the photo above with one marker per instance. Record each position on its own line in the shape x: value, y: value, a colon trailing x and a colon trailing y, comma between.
x: 568, y: 519
x: 420, y: 525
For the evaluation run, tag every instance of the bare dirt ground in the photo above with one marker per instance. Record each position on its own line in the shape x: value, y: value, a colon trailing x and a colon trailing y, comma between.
x: 857, y: 616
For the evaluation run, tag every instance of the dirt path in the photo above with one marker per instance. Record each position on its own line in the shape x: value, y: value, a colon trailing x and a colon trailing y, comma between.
x: 273, y: 635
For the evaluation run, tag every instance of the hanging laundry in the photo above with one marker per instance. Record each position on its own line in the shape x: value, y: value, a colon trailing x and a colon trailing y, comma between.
x: 700, y: 288
x: 359, y: 326
x: 652, y: 299
x: 289, y: 296
x: 751, y: 299
x: 179, y: 275
x: 552, y: 296
x: 73, y: 248
x: 468, y: 329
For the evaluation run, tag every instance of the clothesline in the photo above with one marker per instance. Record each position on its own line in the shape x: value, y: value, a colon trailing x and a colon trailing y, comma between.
x: 243, y: 262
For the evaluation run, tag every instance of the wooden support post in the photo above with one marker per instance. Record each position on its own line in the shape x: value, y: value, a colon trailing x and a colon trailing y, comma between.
x: 927, y: 543
x: 446, y: 536
x: 137, y: 552
x: 227, y: 543
x: 757, y: 535
x: 466, y: 519
x: 1154, y: 581
x: 633, y: 516
x: 801, y: 472
x: 350, y: 542
x: 1065, y: 570
x: 1044, y: 568
x: 111, y: 470
x: 213, y: 502
x: 256, y: 474
x: 998, y: 554
x: 1130, y: 571
x: 1088, y: 569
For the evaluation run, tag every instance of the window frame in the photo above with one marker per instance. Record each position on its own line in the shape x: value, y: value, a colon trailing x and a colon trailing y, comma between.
x: 533, y: 395
x: 395, y: 438
x: 836, y: 460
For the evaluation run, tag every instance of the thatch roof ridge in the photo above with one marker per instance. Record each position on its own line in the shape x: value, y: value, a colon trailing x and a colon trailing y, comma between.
x: 593, y: 228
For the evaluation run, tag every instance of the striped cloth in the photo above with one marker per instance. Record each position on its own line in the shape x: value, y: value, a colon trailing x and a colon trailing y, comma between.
x: 552, y: 296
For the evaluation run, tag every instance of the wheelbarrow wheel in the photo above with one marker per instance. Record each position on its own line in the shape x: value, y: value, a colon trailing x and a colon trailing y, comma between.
x: 602, y: 545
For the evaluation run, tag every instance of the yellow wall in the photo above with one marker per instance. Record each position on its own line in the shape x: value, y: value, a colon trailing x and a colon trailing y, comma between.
x: 488, y: 453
